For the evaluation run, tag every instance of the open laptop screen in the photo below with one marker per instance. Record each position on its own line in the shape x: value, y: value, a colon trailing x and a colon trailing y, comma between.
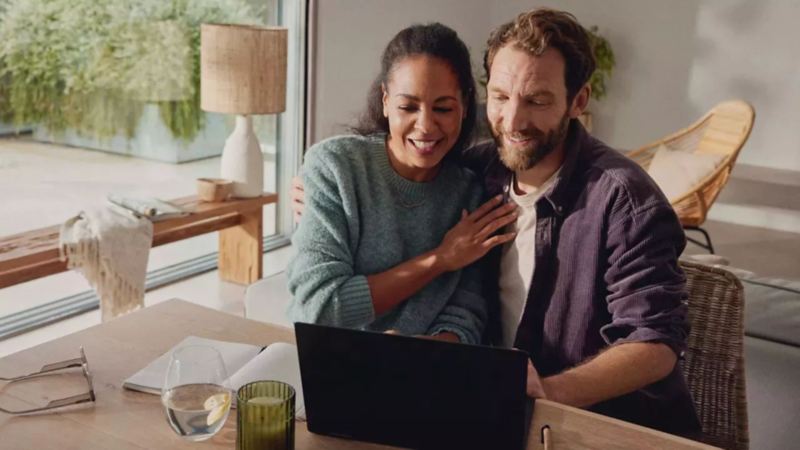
x: 411, y: 392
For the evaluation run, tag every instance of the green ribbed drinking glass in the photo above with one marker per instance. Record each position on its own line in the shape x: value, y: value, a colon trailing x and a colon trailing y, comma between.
x: 265, y: 416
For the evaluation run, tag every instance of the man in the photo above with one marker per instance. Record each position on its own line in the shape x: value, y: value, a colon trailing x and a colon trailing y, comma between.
x: 590, y: 287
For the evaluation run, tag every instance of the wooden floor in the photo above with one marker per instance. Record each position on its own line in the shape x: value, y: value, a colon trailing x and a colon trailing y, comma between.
x: 755, y: 222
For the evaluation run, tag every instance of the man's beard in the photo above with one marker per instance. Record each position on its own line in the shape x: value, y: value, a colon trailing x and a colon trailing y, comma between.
x: 532, y: 154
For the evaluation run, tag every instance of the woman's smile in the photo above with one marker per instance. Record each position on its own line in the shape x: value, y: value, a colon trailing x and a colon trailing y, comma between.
x: 425, y: 147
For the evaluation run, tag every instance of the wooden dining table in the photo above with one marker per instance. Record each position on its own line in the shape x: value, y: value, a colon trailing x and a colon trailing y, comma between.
x: 121, y: 419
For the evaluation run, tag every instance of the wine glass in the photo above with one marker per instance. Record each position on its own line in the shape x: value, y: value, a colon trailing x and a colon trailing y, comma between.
x: 194, y: 396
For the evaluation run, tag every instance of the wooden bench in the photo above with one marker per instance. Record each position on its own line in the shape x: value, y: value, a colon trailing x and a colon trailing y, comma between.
x: 35, y: 254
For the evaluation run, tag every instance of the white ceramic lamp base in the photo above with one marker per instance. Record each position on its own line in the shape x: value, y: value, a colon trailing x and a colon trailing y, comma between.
x: 242, y: 161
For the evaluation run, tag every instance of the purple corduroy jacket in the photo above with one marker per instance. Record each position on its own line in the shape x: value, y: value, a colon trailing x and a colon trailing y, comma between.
x: 606, y: 273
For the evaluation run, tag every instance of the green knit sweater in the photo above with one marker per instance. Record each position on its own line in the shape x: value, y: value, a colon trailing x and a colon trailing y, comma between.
x: 362, y: 218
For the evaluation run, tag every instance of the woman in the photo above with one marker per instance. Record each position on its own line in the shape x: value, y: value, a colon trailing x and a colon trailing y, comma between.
x: 373, y: 246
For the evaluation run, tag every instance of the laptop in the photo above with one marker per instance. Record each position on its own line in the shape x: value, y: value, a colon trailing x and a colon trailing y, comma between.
x: 411, y: 392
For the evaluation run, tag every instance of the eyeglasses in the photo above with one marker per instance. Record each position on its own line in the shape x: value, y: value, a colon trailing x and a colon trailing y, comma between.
x: 48, y: 369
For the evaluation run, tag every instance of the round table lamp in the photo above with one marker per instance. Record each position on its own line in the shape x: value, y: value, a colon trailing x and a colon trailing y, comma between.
x: 243, y: 72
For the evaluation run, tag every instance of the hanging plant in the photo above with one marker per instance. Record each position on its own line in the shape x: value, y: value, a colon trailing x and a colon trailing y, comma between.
x: 604, y: 58
x: 92, y: 65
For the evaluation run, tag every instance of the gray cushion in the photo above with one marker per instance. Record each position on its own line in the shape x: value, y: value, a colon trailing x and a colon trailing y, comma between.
x: 772, y: 309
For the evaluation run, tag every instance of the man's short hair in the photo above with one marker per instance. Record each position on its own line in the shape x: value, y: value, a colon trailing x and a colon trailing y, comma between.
x: 542, y: 28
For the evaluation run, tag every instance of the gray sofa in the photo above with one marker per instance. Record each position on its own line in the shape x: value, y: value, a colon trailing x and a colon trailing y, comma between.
x: 772, y: 361
x: 772, y: 356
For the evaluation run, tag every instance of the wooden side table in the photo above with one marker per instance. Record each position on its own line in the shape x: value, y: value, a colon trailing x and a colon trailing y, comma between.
x: 34, y: 254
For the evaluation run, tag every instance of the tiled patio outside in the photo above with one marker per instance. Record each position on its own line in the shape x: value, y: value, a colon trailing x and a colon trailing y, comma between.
x: 44, y: 184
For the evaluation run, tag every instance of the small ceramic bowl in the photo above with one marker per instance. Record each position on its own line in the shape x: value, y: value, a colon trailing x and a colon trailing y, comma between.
x: 213, y: 189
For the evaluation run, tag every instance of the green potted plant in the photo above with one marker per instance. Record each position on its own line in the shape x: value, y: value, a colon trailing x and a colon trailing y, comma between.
x: 604, y: 57
x: 99, y: 73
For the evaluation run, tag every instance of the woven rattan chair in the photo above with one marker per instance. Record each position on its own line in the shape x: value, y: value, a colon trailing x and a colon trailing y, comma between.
x: 714, y: 361
x: 722, y: 131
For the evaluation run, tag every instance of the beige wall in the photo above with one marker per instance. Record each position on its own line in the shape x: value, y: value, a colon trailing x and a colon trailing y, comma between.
x: 349, y: 38
x: 676, y: 59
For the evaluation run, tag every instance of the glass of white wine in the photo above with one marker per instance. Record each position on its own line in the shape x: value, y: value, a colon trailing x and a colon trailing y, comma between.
x: 195, y: 397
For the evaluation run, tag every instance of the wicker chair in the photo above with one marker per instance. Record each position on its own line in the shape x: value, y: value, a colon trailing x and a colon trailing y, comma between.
x: 714, y: 362
x: 722, y: 131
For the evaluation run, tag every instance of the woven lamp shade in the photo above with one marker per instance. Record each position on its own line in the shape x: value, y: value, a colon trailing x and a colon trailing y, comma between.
x: 242, y: 69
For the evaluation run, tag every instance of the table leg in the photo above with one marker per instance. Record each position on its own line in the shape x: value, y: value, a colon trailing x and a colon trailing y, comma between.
x: 241, y: 249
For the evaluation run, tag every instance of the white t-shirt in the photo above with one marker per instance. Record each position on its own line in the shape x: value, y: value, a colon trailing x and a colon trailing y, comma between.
x: 517, y: 262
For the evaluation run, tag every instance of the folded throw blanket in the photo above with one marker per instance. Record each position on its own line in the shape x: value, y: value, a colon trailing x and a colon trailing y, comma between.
x: 109, y: 246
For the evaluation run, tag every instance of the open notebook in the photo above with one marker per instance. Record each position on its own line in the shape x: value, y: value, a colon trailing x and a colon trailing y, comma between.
x: 244, y: 363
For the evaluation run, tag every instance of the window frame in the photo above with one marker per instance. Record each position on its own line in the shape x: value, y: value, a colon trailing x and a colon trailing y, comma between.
x: 291, y: 139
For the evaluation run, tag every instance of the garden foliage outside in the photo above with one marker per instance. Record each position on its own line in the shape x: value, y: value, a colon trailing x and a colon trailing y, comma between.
x: 92, y: 65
